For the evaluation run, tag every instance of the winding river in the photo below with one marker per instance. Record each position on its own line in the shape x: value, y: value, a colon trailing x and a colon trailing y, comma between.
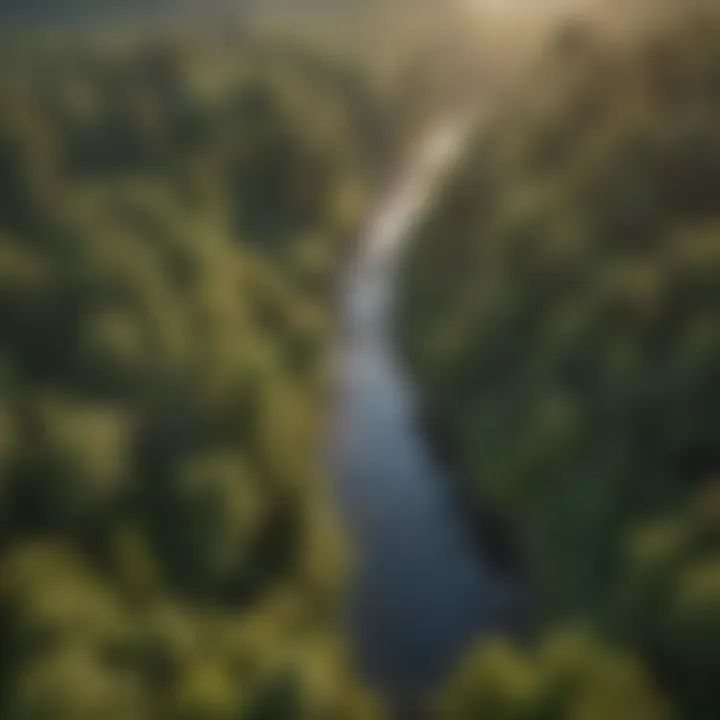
x: 423, y: 591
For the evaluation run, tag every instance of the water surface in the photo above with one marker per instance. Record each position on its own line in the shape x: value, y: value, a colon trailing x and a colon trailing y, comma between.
x: 423, y: 592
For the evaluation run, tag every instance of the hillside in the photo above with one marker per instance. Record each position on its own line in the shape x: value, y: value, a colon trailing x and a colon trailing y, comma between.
x: 170, y: 225
x: 561, y: 313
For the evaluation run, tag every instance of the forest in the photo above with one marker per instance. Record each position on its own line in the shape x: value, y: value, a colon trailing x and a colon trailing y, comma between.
x: 178, y: 206
x: 561, y: 312
x: 171, y: 211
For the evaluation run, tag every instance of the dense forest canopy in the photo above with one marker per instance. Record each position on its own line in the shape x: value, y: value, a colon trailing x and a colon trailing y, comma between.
x: 176, y: 206
x: 171, y: 213
x: 561, y: 311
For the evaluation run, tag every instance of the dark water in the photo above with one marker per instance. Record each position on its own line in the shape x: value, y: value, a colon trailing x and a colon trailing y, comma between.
x: 423, y: 591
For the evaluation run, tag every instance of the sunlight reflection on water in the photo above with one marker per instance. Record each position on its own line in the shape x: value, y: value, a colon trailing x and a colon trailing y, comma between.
x: 422, y: 592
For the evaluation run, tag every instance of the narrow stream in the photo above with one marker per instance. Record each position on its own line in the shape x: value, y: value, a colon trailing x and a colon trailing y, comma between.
x: 423, y: 592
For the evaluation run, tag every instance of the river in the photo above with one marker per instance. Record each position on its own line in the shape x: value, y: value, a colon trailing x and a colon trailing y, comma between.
x: 423, y: 591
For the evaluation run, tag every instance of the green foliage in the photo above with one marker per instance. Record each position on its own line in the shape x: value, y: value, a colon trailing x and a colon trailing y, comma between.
x: 171, y: 212
x: 569, y: 677
x: 668, y: 601
x: 561, y: 311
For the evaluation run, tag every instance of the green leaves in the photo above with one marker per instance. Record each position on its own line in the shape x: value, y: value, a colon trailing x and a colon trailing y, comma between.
x: 571, y: 676
x: 166, y: 541
x: 560, y: 309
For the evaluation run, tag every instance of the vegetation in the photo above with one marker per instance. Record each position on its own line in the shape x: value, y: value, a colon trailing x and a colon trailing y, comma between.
x: 171, y: 212
x: 561, y: 311
x: 174, y: 209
